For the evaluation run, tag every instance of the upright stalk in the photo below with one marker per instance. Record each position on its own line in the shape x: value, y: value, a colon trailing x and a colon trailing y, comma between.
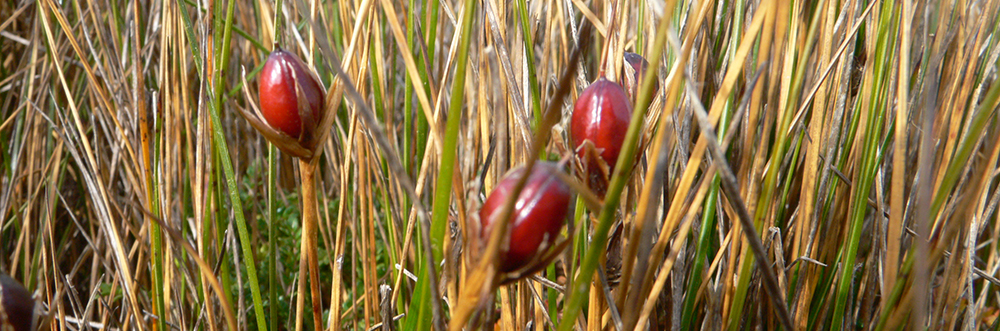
x: 272, y: 270
x: 309, y: 252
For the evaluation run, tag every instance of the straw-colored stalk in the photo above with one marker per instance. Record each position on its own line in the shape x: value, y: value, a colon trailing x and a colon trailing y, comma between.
x: 308, y: 251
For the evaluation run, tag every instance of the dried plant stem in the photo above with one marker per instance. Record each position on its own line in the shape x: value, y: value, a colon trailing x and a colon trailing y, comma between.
x: 862, y: 136
x: 308, y: 249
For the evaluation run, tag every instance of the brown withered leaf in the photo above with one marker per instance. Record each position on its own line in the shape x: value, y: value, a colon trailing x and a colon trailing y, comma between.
x: 592, y: 168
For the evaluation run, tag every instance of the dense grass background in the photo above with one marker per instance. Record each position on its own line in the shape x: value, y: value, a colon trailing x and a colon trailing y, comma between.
x: 823, y: 165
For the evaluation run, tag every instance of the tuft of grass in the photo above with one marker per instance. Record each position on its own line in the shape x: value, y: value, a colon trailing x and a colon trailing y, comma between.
x: 804, y: 165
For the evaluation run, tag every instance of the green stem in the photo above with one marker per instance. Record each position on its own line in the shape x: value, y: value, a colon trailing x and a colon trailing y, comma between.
x: 579, y: 288
x: 529, y: 54
x: 704, y: 239
x: 272, y: 240
x: 442, y: 194
x: 223, y: 153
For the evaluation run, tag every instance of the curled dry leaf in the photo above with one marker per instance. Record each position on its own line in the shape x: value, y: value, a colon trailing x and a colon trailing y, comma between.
x: 592, y: 168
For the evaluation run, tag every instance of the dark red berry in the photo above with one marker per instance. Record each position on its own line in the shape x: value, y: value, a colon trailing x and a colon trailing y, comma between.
x: 601, y: 115
x: 538, y: 215
x: 279, y: 101
x: 639, y: 66
x: 17, y: 307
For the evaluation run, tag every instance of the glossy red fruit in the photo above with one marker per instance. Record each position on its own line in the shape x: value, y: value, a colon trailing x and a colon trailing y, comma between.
x: 601, y: 114
x: 537, y: 217
x: 279, y: 102
x: 640, y: 66
x: 17, y: 307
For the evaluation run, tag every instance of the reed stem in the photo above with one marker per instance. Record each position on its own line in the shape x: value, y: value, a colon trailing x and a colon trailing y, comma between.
x: 310, y: 213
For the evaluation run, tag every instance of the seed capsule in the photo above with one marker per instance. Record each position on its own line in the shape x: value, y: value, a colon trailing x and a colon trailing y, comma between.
x: 639, y: 66
x: 17, y: 307
x: 537, y: 218
x: 601, y: 115
x: 291, y: 98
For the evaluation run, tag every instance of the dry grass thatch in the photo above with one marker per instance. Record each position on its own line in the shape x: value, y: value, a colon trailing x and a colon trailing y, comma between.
x: 811, y: 165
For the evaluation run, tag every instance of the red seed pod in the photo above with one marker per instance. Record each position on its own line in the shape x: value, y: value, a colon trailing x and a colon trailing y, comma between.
x: 601, y: 115
x: 282, y: 80
x: 639, y: 66
x: 18, y: 310
x: 537, y: 217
